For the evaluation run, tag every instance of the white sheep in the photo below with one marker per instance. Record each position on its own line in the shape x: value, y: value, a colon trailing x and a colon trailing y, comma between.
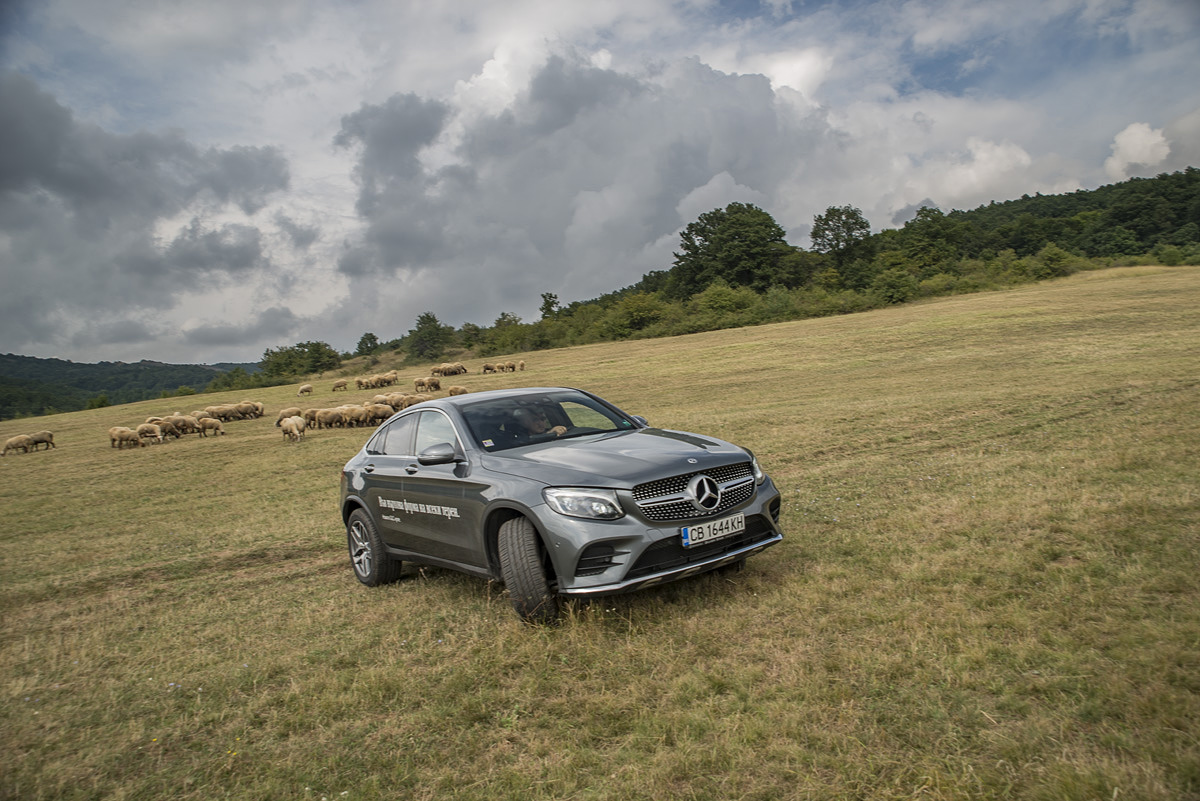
x: 211, y: 424
x: 305, y: 389
x: 23, y: 442
x: 150, y: 431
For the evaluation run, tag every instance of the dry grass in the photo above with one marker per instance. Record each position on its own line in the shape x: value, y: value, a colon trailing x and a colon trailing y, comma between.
x: 989, y: 586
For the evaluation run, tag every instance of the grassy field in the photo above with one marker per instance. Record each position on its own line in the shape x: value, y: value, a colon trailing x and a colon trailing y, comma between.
x: 989, y: 587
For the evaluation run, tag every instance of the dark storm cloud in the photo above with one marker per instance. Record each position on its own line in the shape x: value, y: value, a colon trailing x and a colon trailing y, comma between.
x: 301, y: 236
x: 79, y: 208
x: 230, y: 249
x: 572, y: 188
x: 119, y: 332
x: 246, y: 175
x: 275, y: 323
x: 390, y: 137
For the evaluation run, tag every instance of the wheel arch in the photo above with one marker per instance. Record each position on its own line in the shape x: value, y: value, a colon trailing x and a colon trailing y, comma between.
x: 491, y: 535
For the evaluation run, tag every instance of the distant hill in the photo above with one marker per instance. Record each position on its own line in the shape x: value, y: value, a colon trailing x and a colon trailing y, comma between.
x: 33, y: 386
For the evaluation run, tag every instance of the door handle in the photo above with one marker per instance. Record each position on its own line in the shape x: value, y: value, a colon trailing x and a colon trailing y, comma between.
x: 369, y: 468
x: 412, y: 468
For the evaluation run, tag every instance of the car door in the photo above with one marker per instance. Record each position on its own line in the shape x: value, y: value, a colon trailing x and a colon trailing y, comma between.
x: 442, y: 519
x: 389, y: 453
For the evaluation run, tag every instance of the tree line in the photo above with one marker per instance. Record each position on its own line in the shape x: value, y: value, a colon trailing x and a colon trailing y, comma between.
x: 734, y: 267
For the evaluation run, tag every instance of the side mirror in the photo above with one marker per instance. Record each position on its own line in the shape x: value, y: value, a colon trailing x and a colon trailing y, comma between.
x: 442, y: 453
x: 642, y: 421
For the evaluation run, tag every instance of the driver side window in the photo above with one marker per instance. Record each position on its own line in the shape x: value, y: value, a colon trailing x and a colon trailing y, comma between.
x: 434, y: 428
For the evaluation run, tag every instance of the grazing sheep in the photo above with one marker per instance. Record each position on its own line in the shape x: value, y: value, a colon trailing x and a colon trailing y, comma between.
x: 41, y: 437
x: 211, y: 424
x: 184, y: 424
x: 150, y: 431
x: 355, y: 416
x: 457, y: 390
x: 290, y: 411
x: 488, y: 367
x: 120, y: 436
x: 521, y: 365
x: 329, y: 418
x: 419, y: 384
x: 305, y: 389
x: 310, y: 417
x: 21, y: 441
x: 379, y: 412
x: 169, y: 430
x: 341, y: 384
x: 510, y: 367
x: 293, y: 428
x: 433, y: 384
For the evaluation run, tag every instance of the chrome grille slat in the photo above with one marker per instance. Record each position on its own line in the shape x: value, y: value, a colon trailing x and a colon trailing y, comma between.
x: 664, y: 499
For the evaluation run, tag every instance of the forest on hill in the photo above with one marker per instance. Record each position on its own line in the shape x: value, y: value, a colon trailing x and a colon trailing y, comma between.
x: 33, y: 386
x: 733, y: 268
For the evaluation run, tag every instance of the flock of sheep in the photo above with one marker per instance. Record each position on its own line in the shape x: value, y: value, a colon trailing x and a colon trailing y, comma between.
x: 293, y: 421
x: 210, y: 419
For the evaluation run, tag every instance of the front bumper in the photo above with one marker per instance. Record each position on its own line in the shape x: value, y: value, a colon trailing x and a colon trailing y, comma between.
x: 645, y: 553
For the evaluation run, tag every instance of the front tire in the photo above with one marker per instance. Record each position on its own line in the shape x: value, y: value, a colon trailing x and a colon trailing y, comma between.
x: 369, y: 559
x: 524, y: 573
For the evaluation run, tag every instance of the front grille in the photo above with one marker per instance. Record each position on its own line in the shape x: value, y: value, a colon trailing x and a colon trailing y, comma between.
x: 665, y: 499
x: 669, y: 553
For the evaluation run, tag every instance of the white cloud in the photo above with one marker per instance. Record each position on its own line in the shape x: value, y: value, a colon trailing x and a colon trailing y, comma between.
x: 1138, y: 145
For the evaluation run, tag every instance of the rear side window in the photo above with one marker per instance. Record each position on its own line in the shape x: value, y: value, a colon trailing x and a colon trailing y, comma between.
x: 434, y: 429
x: 397, y: 438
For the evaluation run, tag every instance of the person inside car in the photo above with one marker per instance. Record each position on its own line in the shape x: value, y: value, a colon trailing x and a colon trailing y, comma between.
x: 535, y: 427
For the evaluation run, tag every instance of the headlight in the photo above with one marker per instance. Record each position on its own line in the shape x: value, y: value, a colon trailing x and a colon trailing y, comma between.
x: 759, y: 475
x: 595, y: 504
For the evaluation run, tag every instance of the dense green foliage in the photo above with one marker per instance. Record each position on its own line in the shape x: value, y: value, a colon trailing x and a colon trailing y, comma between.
x: 299, y: 359
x: 31, y: 386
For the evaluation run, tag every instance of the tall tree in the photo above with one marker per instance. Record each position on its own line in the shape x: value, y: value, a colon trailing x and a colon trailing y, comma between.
x: 840, y: 232
x: 428, y: 338
x: 740, y: 244
x: 367, y: 344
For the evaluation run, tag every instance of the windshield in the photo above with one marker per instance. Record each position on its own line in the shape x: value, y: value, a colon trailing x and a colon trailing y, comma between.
x: 502, y: 423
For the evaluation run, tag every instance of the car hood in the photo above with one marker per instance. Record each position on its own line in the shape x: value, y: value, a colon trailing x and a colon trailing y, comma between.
x: 620, y: 460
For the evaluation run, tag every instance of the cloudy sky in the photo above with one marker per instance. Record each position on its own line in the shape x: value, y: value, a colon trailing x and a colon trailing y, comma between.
x: 195, y: 182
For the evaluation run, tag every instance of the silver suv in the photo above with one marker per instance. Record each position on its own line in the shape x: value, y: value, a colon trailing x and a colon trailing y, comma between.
x: 553, y: 491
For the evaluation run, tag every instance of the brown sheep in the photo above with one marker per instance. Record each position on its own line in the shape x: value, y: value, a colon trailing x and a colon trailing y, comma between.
x: 305, y: 389
x: 488, y: 367
x: 419, y: 384
x: 510, y: 367
x: 290, y: 411
x: 21, y: 441
x: 46, y: 437
x: 433, y: 384
x: 521, y: 365
x: 457, y: 390
x: 341, y: 384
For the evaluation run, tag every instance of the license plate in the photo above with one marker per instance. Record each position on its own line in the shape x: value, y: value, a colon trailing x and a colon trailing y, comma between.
x: 714, y: 530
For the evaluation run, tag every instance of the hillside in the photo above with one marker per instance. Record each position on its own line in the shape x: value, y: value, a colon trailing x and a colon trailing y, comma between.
x: 989, y: 586
x: 33, y: 386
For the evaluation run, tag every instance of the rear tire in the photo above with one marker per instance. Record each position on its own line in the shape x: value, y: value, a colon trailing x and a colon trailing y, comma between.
x: 523, y: 572
x: 369, y: 559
